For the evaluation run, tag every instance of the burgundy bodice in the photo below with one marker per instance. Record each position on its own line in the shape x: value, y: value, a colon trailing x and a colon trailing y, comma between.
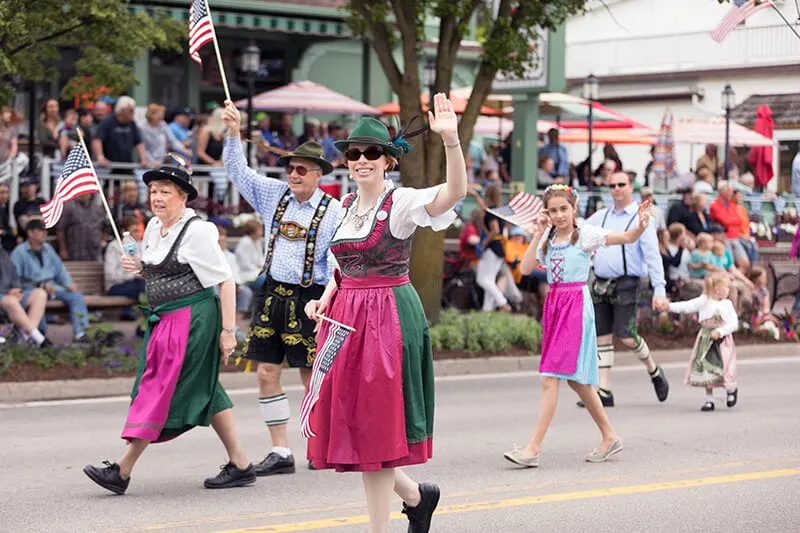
x: 377, y: 254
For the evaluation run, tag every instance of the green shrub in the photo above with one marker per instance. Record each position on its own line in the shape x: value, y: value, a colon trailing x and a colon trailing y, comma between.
x: 485, y: 332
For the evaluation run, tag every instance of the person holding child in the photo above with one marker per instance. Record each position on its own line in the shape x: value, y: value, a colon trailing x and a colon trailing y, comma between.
x: 713, y: 360
x: 569, y: 340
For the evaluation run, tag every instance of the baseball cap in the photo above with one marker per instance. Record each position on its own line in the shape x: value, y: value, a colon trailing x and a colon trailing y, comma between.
x: 184, y: 111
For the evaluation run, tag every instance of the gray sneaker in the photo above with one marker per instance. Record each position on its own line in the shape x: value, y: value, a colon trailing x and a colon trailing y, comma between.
x: 522, y: 458
x: 598, y: 456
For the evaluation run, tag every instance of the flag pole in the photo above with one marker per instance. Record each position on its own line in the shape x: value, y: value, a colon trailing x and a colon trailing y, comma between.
x: 789, y: 24
x: 99, y: 186
x: 332, y: 321
x: 219, y: 56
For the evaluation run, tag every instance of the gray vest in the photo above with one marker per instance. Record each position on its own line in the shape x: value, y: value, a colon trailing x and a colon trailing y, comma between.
x: 170, y: 280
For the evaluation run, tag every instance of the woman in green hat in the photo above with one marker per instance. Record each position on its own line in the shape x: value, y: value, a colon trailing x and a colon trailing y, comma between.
x: 374, y: 411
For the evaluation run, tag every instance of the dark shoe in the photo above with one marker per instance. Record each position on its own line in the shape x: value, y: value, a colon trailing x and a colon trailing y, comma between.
x: 732, y: 398
x: 46, y: 343
x: 83, y: 339
x: 275, y: 464
x: 708, y: 406
x: 231, y: 476
x: 606, y: 399
x: 419, y: 517
x: 311, y: 465
x: 660, y: 384
x: 107, y: 477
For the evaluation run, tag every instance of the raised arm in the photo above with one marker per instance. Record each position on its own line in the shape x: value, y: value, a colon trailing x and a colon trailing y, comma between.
x: 632, y: 235
x: 531, y: 258
x: 445, y: 123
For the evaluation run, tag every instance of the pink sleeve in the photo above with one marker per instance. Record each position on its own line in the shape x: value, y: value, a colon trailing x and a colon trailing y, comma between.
x: 795, y: 244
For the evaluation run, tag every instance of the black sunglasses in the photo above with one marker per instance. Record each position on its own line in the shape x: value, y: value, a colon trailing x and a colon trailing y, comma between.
x: 617, y: 185
x: 301, y: 171
x: 372, y: 153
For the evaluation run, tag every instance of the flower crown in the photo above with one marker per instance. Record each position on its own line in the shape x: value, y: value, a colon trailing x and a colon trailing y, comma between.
x: 561, y: 187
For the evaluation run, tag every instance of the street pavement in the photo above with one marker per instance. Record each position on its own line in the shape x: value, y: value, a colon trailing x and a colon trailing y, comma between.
x: 733, y: 470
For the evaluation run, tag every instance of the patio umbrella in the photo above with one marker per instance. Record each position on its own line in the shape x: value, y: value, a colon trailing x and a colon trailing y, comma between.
x: 612, y: 136
x: 496, y: 101
x: 501, y: 127
x: 697, y: 131
x: 459, y: 105
x: 308, y: 97
x: 760, y: 157
x: 664, y: 157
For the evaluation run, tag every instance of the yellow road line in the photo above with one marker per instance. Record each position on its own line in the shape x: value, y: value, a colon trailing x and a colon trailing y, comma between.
x: 532, y: 500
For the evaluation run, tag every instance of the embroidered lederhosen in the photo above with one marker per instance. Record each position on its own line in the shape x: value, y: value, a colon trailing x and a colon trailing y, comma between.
x: 279, y: 328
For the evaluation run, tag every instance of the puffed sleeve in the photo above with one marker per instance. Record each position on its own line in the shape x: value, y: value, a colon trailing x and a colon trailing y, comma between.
x: 592, y: 237
x: 200, y: 249
x: 408, y: 211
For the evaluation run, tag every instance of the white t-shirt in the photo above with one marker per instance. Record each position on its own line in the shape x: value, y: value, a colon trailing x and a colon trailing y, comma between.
x: 408, y: 213
x: 199, y: 248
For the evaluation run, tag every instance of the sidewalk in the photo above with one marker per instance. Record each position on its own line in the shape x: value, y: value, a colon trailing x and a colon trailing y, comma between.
x: 97, y: 388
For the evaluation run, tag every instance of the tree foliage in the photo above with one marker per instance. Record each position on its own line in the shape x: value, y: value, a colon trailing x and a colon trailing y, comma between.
x: 505, y: 36
x: 108, y: 37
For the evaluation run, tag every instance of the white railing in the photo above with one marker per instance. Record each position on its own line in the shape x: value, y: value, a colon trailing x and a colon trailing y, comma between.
x: 745, y: 47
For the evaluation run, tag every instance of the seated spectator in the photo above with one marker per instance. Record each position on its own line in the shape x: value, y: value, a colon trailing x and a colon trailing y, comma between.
x: 249, y: 254
x: 67, y: 131
x: 8, y: 240
x: 546, y: 168
x: 129, y: 205
x: 745, y: 235
x: 39, y: 266
x: 27, y: 207
x: 698, y: 221
x: 741, y: 288
x: 762, y: 303
x: 709, y: 161
x: 9, y: 144
x: 181, y: 120
x: 470, y: 238
x: 69, y: 137
x: 670, y: 261
x: 534, y: 283
x: 704, y: 183
x: 656, y: 214
x: 118, y: 281
x: 244, y: 294
x: 26, y: 321
x: 680, y: 211
x: 492, y: 268
x: 702, y: 260
x: 81, y: 230
x: 724, y: 212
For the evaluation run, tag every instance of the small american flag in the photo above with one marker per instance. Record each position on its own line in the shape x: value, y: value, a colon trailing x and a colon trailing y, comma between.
x: 201, y: 29
x: 738, y: 14
x: 337, y: 333
x: 76, y: 179
x: 522, y: 210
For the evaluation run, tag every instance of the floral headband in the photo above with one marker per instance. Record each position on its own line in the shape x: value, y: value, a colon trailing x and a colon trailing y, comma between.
x: 561, y: 187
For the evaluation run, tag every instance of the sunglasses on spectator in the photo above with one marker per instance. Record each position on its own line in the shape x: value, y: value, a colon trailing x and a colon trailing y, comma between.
x: 372, y: 153
x: 300, y: 171
x: 617, y: 185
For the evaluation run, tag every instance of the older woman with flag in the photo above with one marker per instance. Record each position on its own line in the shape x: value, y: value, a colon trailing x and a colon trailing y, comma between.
x: 374, y: 413
x: 189, y: 334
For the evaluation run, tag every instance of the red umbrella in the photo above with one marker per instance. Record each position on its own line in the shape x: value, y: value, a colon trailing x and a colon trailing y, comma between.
x: 459, y: 105
x: 760, y: 157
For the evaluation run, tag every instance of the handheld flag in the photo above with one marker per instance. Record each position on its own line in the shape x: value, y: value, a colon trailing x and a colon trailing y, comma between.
x: 76, y: 179
x: 522, y: 210
x: 741, y: 11
x: 201, y: 30
x: 337, y: 333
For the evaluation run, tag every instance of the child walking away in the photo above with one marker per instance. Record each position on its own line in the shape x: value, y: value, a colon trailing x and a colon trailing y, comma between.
x: 569, y: 342
x: 713, y: 360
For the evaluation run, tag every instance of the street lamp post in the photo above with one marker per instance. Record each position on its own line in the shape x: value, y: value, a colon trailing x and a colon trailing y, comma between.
x: 591, y: 89
x: 251, y: 63
x: 728, y: 102
x: 429, y: 76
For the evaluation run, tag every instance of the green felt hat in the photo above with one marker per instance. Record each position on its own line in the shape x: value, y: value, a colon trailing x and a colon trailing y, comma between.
x: 313, y: 152
x: 372, y: 131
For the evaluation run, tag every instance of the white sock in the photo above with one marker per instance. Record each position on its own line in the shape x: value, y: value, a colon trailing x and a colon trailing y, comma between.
x: 710, y: 397
x: 37, y: 336
x: 283, y: 452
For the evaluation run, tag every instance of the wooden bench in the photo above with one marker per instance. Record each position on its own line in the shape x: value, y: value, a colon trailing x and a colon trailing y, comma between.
x: 785, y: 277
x: 89, y: 276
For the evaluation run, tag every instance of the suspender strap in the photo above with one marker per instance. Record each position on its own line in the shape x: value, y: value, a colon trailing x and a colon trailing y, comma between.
x: 627, y: 227
x: 273, y: 232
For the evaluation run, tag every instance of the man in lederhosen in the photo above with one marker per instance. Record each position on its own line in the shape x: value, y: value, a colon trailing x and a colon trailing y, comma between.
x: 300, y: 221
x: 618, y: 271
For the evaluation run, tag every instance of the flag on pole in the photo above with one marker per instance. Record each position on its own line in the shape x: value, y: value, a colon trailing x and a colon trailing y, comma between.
x: 337, y: 333
x: 741, y: 10
x: 522, y: 210
x: 201, y: 29
x: 76, y: 179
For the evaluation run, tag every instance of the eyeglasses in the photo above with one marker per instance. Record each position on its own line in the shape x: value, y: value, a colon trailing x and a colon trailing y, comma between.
x: 372, y: 153
x: 300, y: 171
x: 617, y: 185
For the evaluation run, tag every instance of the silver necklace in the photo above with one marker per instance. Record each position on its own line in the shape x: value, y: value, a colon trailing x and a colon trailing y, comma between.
x: 360, y: 220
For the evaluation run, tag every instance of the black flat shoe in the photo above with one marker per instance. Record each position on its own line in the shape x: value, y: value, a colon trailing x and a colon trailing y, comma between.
x: 275, y: 464
x: 419, y: 517
x: 660, y: 384
x: 231, y: 476
x: 732, y: 398
x: 607, y: 400
x: 708, y: 406
x: 107, y: 477
x: 311, y: 465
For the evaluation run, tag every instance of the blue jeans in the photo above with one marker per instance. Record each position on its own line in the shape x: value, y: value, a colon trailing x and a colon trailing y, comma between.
x: 78, y: 312
x: 130, y: 289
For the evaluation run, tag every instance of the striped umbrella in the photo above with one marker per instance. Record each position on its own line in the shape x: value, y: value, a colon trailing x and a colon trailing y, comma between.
x: 664, y: 158
x: 308, y: 97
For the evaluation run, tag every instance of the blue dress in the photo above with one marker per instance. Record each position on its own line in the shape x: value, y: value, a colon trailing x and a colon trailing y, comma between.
x: 569, y: 340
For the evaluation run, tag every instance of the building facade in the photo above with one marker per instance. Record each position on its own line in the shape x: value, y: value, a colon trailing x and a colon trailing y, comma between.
x: 650, y: 55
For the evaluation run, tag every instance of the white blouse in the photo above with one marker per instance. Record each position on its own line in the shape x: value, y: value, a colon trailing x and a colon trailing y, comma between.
x: 407, y: 214
x: 250, y: 256
x: 708, y: 307
x: 591, y: 238
x: 199, y: 249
